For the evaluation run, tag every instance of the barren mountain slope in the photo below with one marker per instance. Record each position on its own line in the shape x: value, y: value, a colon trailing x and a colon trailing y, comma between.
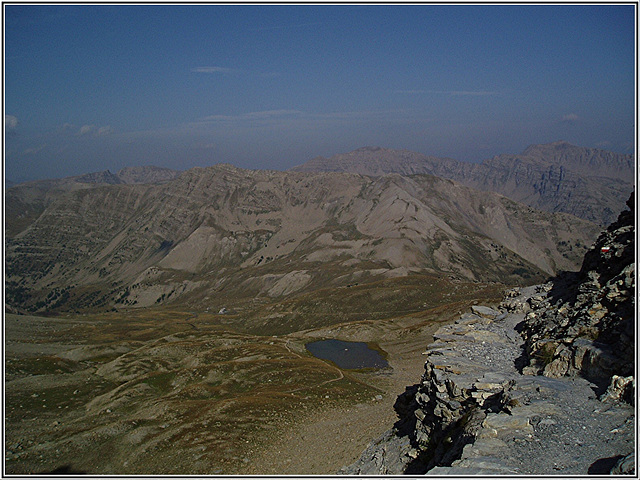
x: 25, y: 202
x: 558, y: 177
x: 224, y: 232
x: 519, y: 389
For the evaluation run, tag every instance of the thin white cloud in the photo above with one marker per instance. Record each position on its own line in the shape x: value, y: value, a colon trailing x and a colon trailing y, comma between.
x: 102, y: 131
x: 409, y: 92
x: 213, y: 70
x: 273, y: 113
x: 10, y: 122
x: 265, y: 114
x: 288, y: 118
x: 465, y: 93
x: 481, y: 93
x: 34, y: 150
x: 283, y: 27
x: 86, y: 129
x: 206, y: 146
x: 223, y: 70
x: 365, y: 114
x: 570, y: 118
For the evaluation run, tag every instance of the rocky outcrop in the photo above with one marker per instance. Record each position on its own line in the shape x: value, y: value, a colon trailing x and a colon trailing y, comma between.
x: 534, y: 387
x: 474, y: 413
x: 104, y: 178
x: 147, y: 174
x: 584, y: 324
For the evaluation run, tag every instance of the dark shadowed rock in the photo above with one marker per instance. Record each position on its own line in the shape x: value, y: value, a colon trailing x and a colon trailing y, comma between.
x: 585, y: 323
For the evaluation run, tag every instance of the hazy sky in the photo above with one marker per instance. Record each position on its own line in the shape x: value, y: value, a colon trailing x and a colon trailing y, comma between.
x: 98, y: 87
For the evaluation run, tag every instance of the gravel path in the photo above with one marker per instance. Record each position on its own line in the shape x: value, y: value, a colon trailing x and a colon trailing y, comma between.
x: 555, y: 426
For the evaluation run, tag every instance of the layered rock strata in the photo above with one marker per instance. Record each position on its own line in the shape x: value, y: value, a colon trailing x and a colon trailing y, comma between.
x: 557, y: 177
x: 221, y: 234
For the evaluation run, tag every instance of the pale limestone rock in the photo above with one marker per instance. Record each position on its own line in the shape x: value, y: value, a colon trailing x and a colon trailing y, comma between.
x: 485, y: 312
x: 619, y: 388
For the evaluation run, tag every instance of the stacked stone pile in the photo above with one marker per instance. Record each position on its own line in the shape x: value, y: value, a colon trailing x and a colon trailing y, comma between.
x: 482, y: 407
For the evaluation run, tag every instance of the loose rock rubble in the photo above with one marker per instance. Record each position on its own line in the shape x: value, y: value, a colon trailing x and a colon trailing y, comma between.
x: 536, y: 387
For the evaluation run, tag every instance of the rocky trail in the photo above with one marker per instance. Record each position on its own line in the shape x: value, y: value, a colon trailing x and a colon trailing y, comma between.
x: 512, y: 423
x: 543, y: 424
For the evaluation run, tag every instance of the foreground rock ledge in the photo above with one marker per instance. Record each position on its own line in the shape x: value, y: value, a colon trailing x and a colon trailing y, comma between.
x: 474, y: 413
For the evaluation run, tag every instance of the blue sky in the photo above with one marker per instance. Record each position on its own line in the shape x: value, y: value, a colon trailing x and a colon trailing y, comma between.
x: 95, y: 87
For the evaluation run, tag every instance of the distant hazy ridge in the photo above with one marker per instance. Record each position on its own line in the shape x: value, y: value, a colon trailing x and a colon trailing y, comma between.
x: 558, y: 177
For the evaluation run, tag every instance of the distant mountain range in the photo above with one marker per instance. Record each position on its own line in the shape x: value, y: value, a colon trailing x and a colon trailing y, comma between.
x: 589, y: 183
x: 26, y: 201
x: 223, y: 235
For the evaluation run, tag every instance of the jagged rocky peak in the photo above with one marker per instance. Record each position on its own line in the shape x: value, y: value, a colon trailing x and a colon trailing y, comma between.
x: 585, y: 161
x: 369, y: 149
x: 128, y: 175
x: 99, y: 177
x: 554, y: 147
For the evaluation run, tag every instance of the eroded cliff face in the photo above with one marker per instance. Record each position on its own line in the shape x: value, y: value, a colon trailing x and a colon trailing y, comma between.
x: 557, y: 177
x: 541, y: 385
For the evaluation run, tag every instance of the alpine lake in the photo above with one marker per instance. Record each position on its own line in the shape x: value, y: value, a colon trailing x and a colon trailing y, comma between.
x: 348, y: 355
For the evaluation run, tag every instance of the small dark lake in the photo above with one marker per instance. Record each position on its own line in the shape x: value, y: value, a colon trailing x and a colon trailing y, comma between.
x: 347, y: 354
